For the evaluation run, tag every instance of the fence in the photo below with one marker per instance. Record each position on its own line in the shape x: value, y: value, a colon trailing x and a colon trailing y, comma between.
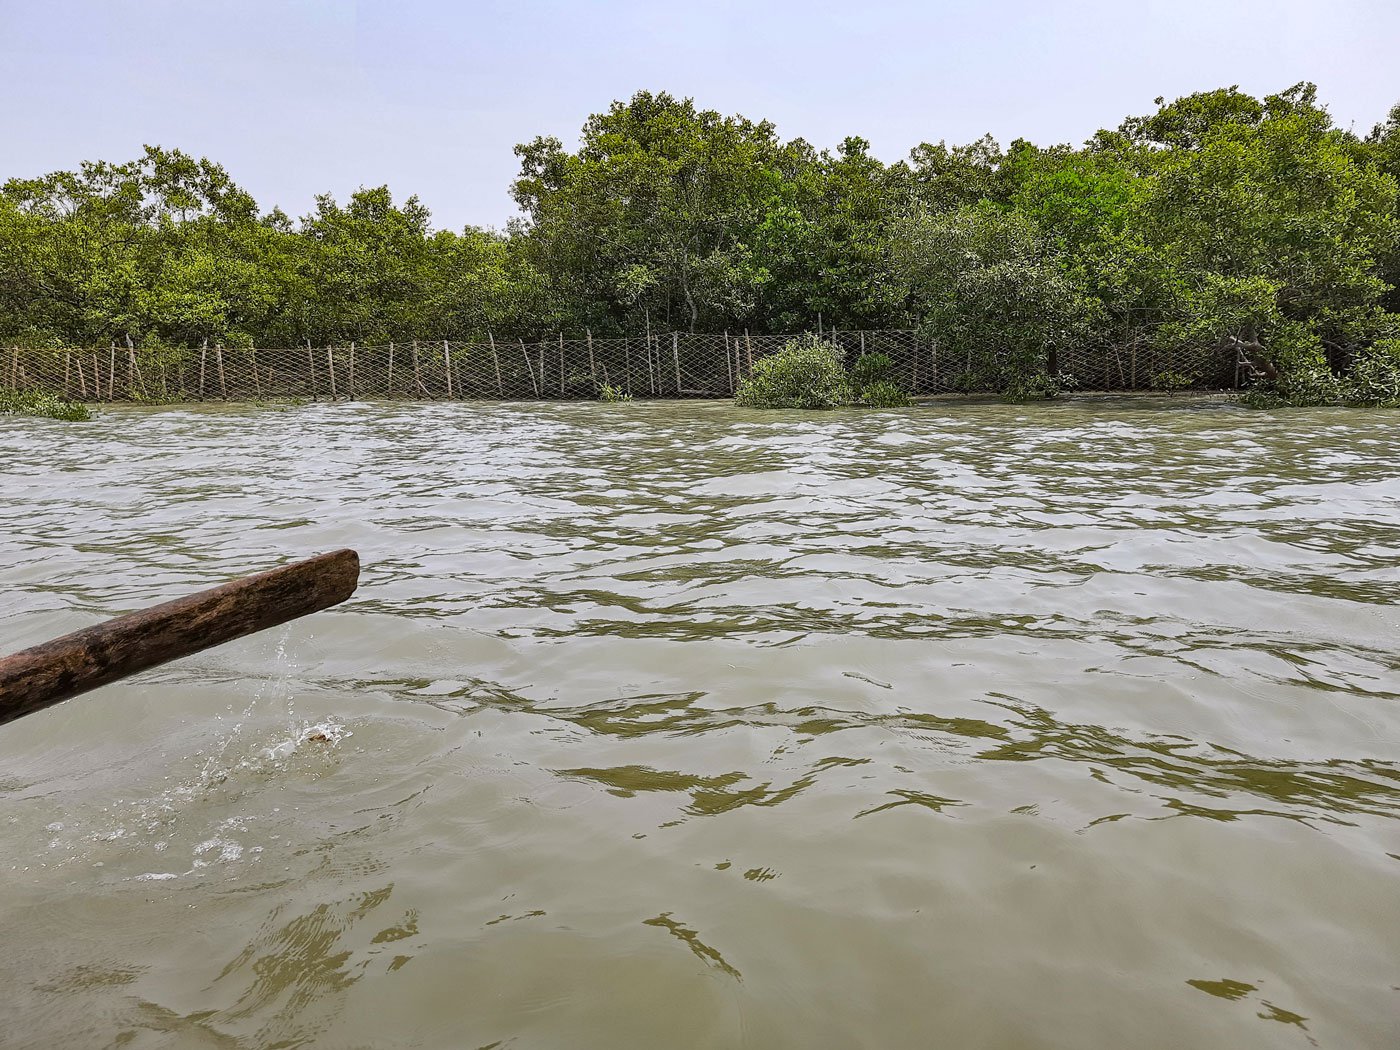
x: 671, y: 365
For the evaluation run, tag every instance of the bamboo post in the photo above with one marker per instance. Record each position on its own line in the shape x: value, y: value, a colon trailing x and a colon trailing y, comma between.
x: 447, y: 364
x: 389, y: 382
x: 350, y: 379
x: 592, y: 365
x: 330, y: 367
x: 82, y: 382
x: 14, y: 367
x: 627, y: 363
x: 748, y: 349
x: 676, y: 359
x: 219, y: 357
x: 111, y: 369
x: 203, y: 357
x: 67, y: 371
x: 1134, y: 364
x: 96, y: 378
x: 728, y: 361
x: 417, y: 378
x: 65, y: 667
x: 496, y: 360
x: 561, y: 364
x: 529, y: 368
x: 257, y: 383
x: 311, y: 361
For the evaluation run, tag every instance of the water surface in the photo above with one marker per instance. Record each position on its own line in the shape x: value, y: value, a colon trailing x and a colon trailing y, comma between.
x: 677, y: 725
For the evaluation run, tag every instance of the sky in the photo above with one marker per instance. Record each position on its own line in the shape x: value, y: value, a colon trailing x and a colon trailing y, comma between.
x: 301, y: 97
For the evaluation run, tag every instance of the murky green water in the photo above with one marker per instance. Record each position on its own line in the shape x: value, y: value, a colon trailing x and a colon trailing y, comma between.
x: 679, y: 726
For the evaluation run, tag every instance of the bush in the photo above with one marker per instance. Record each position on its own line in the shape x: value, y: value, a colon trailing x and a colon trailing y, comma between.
x: 34, y: 403
x: 806, y: 373
x: 608, y: 392
x: 883, y: 394
x: 1039, y: 386
x: 870, y: 369
x: 1375, y: 377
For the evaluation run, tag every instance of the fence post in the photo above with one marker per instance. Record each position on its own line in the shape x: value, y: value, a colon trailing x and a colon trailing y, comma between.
x: 203, y: 358
x: 311, y: 361
x: 627, y: 363
x: 389, y: 382
x: 111, y: 370
x: 728, y: 361
x: 330, y: 367
x: 257, y: 383
x: 14, y: 366
x: 417, y: 379
x: 592, y: 364
x: 447, y: 364
x: 748, y: 347
x: 676, y: 359
x: 219, y: 357
x: 530, y: 369
x: 67, y: 370
x: 351, y: 378
x: 561, y: 364
x: 496, y: 360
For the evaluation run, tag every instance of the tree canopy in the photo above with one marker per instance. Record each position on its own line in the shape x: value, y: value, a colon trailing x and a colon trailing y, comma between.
x: 1219, y: 220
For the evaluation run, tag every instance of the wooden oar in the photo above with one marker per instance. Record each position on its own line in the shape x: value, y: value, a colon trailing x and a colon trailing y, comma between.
x: 52, y: 672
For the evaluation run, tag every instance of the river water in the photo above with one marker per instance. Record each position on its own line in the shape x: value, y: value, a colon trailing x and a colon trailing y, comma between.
x: 679, y: 726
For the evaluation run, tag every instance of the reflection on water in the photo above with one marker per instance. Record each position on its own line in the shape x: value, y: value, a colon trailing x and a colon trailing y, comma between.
x: 678, y: 725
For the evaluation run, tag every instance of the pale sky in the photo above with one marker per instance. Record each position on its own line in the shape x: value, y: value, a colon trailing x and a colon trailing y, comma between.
x: 305, y: 96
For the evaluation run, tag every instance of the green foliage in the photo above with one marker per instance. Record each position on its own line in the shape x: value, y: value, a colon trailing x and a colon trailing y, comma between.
x: 1039, y: 386
x: 1170, y: 380
x: 883, y: 393
x: 806, y: 373
x: 34, y: 403
x: 1375, y: 377
x: 608, y: 392
x: 1217, y: 224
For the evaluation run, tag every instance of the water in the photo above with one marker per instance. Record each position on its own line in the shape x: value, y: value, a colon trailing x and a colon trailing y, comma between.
x: 680, y: 726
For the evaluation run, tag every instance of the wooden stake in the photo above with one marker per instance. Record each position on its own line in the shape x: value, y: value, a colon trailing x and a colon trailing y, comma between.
x: 417, y: 378
x: 447, y: 363
x: 592, y: 366
x: 496, y: 359
x: 561, y: 364
x: 47, y: 674
x: 330, y: 367
x: 351, y: 378
x: 676, y: 359
x: 526, y: 354
x: 203, y: 354
x: 111, y: 370
x: 728, y: 361
x: 257, y: 383
x: 67, y: 369
x: 748, y: 347
x: 311, y: 361
x: 389, y: 383
x: 14, y: 367
x: 219, y: 357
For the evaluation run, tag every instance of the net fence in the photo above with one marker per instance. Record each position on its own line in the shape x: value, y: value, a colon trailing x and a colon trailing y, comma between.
x: 670, y: 365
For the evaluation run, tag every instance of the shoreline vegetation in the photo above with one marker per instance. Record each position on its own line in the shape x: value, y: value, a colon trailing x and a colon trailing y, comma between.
x: 1219, y: 226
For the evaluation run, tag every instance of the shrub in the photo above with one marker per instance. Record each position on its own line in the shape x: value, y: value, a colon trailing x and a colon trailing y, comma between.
x: 1039, y: 386
x: 34, y: 403
x: 870, y: 369
x: 1375, y: 377
x: 883, y: 394
x: 805, y: 373
x: 608, y: 392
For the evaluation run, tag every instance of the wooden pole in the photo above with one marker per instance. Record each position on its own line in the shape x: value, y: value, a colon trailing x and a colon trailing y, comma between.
x: 496, y: 359
x: 203, y: 356
x: 330, y: 367
x: 14, y: 367
x: 447, y: 364
x: 627, y: 363
x: 592, y: 365
x: 311, y: 361
x: 219, y: 357
x: 748, y: 348
x: 561, y: 364
x: 676, y: 359
x: 529, y: 368
x: 111, y: 369
x: 257, y: 383
x: 67, y: 370
x: 389, y: 383
x: 47, y: 674
x: 728, y: 361
x: 351, y: 378
x: 417, y: 378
